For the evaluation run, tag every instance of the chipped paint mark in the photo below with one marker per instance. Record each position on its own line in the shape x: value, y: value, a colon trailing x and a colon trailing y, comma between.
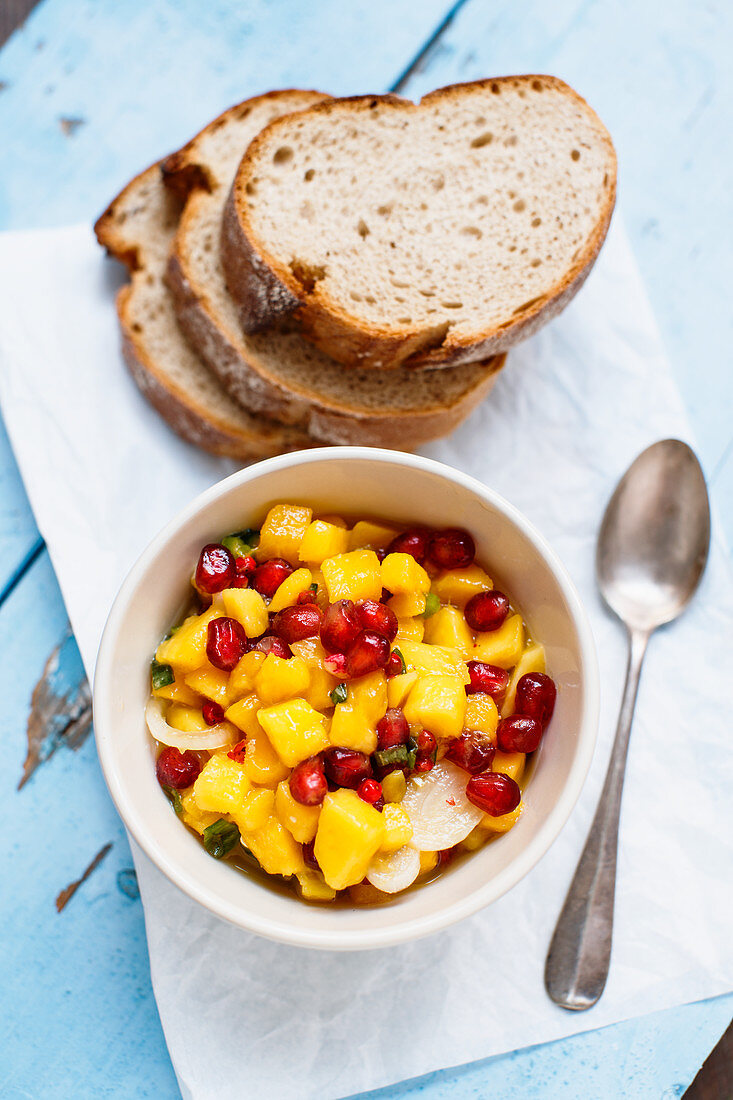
x: 61, y: 708
x: 69, y: 126
x: 68, y: 892
x: 127, y: 883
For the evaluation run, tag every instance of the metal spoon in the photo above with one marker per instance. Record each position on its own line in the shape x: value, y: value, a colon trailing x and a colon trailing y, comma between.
x: 652, y: 549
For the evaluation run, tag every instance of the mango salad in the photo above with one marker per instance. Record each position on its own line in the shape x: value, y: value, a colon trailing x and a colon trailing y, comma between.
x: 348, y: 706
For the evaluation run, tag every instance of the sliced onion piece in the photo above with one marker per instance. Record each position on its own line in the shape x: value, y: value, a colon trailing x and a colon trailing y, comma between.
x: 394, y: 871
x: 440, y: 813
x: 215, y: 737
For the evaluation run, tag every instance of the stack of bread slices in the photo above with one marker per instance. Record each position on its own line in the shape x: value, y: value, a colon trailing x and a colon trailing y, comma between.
x: 311, y: 270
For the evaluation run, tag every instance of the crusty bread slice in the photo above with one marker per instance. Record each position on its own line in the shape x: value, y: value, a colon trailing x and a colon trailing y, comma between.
x: 278, y: 372
x: 423, y: 234
x: 137, y: 228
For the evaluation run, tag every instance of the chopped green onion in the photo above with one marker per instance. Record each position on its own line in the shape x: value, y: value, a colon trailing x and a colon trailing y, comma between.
x: 220, y: 838
x: 313, y: 587
x: 432, y: 604
x: 398, y: 651
x: 236, y: 546
x: 339, y: 694
x: 251, y: 535
x: 411, y: 752
x: 174, y: 798
x: 397, y: 754
x: 161, y: 675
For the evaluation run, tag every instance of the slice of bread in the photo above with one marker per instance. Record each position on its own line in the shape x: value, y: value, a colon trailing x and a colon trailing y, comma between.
x: 278, y: 372
x: 137, y: 228
x: 423, y: 234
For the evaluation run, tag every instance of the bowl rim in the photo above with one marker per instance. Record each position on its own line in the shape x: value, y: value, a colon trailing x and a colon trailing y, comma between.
x: 400, y: 932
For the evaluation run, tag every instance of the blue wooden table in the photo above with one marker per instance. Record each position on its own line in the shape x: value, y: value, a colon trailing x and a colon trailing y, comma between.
x: 90, y: 92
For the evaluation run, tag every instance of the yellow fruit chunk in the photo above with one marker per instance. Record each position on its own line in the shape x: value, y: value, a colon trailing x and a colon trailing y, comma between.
x: 243, y: 714
x: 186, y: 719
x: 350, y: 729
x: 372, y: 536
x: 410, y: 630
x: 301, y: 821
x: 447, y: 627
x: 397, y: 828
x: 210, y: 682
x: 350, y: 832
x: 532, y: 660
x: 407, y: 604
x: 295, y: 730
x: 274, y: 849
x: 353, y: 576
x: 322, y: 682
x: 283, y: 531
x: 401, y: 573
x: 257, y: 807
x: 502, y: 647
x: 394, y: 787
x: 281, y: 679
x: 504, y: 823
x: 186, y: 649
x: 196, y: 818
x: 475, y: 839
x: 434, y: 658
x: 261, y: 762
x: 177, y: 692
x: 457, y: 586
x: 428, y: 861
x: 438, y: 703
x: 242, y: 678
x: 221, y: 785
x: 287, y: 593
x: 313, y: 887
x: 399, y: 687
x: 248, y: 608
x: 336, y: 520
x: 510, y: 763
x: 481, y: 714
x: 370, y: 694
x: 322, y: 540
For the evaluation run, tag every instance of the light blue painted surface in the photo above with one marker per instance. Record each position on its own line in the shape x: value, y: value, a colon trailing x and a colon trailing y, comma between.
x: 81, y: 1018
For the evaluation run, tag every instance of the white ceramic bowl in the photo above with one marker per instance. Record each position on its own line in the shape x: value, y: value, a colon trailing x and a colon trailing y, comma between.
x: 358, y: 482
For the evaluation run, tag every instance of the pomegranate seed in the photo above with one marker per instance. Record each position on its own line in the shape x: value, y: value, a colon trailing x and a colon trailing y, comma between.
x: 239, y: 751
x: 307, y: 597
x: 451, y: 548
x: 414, y: 542
x: 268, y: 577
x: 487, y: 679
x: 426, y: 743
x: 494, y: 793
x: 392, y: 729
x: 340, y: 626
x: 487, y: 610
x: 536, y: 694
x: 309, y: 856
x: 212, y: 712
x: 269, y: 643
x: 240, y: 581
x: 375, y: 616
x: 368, y: 653
x: 296, y: 623
x: 346, y: 767
x: 226, y: 643
x: 370, y: 791
x: 472, y: 751
x: 424, y: 762
x: 308, y: 783
x: 245, y: 566
x: 518, y: 734
x: 335, y: 663
x: 215, y: 570
x: 395, y: 666
x: 177, y: 769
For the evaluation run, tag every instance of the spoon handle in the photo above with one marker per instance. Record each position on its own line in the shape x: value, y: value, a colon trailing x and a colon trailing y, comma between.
x: 578, y: 960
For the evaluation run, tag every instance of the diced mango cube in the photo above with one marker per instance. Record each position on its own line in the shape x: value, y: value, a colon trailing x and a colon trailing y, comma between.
x: 407, y: 604
x: 401, y: 573
x: 410, y: 630
x: 211, y: 682
x: 481, y: 714
x: 313, y: 886
x: 280, y: 679
x: 257, y: 807
x: 370, y: 694
x: 287, y: 593
x: 283, y: 531
x: 274, y: 849
x: 195, y: 817
x: 448, y: 627
x: 177, y: 692
x: 295, y: 729
x: 221, y: 785
x: 243, y: 714
x: 353, y: 576
x: 475, y: 839
x: 243, y: 676
x: 503, y: 823
x: 261, y: 762
x: 438, y: 703
x: 510, y: 763
x: 532, y: 660
x: 372, y: 536
x: 186, y: 649
x: 186, y: 719
x: 350, y: 729
x: 397, y: 828
x: 399, y: 687
x: 502, y: 647
x: 350, y: 832
x: 428, y: 862
x: 248, y: 608
x: 457, y: 586
x: 434, y: 658
x: 322, y: 682
x: 323, y: 540
x: 301, y: 821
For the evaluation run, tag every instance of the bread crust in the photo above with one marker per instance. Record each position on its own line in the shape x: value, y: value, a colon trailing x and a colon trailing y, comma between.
x: 266, y: 290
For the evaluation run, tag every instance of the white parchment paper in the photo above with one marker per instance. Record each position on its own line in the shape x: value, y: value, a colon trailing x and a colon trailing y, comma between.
x: 244, y: 1017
